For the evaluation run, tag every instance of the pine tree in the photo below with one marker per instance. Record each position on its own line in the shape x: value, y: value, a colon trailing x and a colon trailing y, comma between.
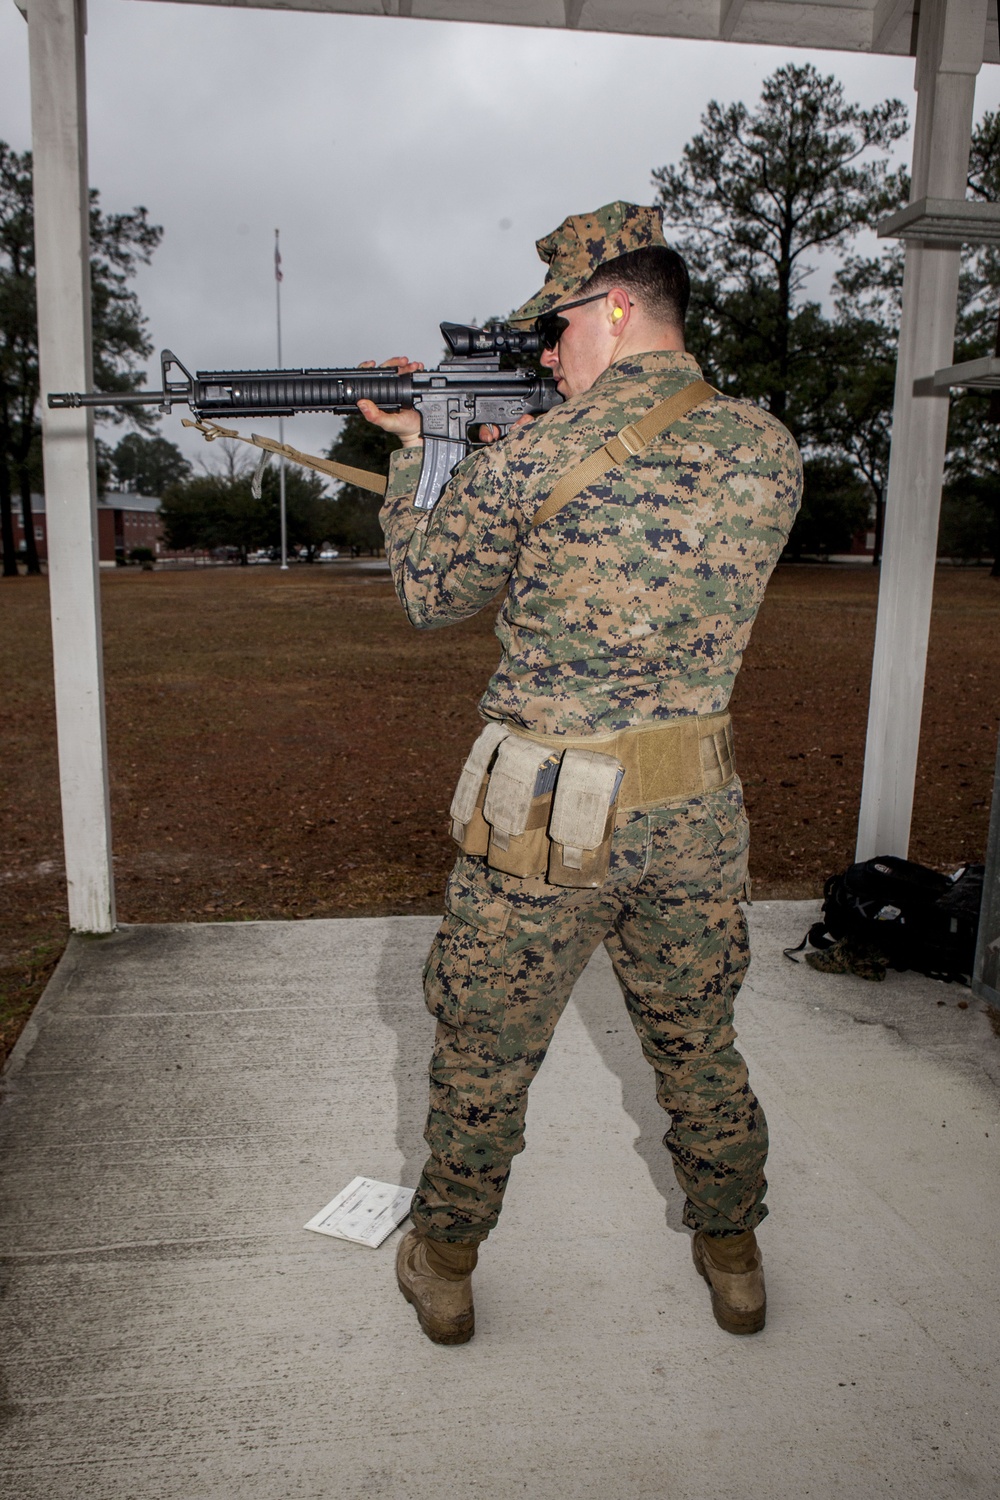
x: 119, y: 243
x: 756, y: 196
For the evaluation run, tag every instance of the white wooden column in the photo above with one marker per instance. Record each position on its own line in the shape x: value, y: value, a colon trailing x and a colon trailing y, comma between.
x: 62, y: 260
x: 949, y: 55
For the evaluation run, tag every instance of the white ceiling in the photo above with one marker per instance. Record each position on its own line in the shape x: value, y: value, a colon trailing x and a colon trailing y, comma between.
x: 842, y: 25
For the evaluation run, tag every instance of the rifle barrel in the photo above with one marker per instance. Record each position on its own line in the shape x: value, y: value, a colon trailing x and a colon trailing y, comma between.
x: 250, y: 393
x: 109, y: 398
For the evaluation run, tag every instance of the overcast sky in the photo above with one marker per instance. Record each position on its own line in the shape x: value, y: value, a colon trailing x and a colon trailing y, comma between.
x: 410, y: 165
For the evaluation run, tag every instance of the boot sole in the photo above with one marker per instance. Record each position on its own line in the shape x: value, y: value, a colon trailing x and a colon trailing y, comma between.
x: 726, y: 1317
x: 438, y: 1335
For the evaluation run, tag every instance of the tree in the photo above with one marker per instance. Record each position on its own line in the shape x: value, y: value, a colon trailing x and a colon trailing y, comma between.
x: 119, y: 243
x: 856, y: 419
x: 970, y: 518
x: 972, y: 478
x: 363, y: 446
x: 310, y: 511
x: 103, y: 464
x: 219, y: 509
x: 979, y: 292
x: 755, y: 197
x: 732, y: 337
x: 865, y: 337
x: 147, y: 465
x: 850, y: 408
x: 835, y: 505
x: 215, y: 510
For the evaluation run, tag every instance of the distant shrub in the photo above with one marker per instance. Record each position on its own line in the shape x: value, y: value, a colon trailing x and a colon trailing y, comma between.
x: 970, y: 520
x: 836, y: 504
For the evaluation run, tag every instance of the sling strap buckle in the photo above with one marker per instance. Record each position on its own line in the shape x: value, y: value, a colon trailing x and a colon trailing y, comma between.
x: 631, y: 439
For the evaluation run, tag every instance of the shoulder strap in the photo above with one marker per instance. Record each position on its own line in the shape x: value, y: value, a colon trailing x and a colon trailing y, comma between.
x: 365, y: 479
x: 630, y: 441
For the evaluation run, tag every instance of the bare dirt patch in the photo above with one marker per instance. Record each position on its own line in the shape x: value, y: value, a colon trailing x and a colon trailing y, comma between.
x: 285, y: 746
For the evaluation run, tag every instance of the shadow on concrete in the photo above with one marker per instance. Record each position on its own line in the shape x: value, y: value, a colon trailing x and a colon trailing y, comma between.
x: 400, y: 1000
x: 601, y: 1007
x: 597, y: 997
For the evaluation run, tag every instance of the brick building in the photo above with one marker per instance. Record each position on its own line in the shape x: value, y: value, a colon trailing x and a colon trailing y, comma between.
x: 124, y: 521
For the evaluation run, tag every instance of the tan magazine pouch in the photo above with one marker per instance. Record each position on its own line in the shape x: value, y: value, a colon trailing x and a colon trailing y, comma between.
x: 516, y: 807
x: 583, y: 818
x: 537, y: 805
x: 468, y: 826
x: 504, y: 807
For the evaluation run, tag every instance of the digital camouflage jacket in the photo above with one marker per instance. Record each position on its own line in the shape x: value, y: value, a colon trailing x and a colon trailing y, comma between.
x: 636, y: 600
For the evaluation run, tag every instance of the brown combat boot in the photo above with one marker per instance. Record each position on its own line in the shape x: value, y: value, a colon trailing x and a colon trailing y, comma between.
x: 435, y: 1277
x: 732, y: 1266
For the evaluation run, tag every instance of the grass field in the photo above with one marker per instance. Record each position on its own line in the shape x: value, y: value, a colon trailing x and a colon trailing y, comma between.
x: 285, y: 746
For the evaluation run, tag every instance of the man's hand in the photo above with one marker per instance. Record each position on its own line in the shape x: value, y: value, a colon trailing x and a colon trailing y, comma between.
x: 490, y: 434
x: 406, y: 423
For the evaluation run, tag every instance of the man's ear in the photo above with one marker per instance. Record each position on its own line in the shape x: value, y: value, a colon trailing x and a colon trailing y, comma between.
x: 619, y: 310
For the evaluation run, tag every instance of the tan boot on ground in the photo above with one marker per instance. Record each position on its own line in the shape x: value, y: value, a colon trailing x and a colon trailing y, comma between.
x: 733, y: 1268
x: 435, y: 1277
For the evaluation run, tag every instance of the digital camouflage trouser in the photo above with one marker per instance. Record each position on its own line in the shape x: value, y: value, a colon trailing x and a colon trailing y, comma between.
x: 501, y: 969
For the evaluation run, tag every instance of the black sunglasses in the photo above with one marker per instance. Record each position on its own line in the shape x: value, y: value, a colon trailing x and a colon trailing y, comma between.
x: 550, y: 327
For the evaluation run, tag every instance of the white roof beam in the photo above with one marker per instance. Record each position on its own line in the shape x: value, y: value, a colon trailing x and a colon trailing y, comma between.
x: 887, y: 17
x: 729, y: 15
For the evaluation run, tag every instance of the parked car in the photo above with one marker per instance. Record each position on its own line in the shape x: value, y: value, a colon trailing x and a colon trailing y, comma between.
x: 328, y: 554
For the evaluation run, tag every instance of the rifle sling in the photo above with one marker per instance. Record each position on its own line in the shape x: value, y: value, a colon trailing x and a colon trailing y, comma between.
x: 626, y: 444
x: 629, y: 442
x: 363, y: 478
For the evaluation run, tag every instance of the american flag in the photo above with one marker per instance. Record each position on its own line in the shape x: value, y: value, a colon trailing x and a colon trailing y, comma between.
x: 277, y: 259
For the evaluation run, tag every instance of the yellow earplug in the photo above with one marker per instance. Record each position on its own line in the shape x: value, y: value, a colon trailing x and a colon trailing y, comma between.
x: 617, y: 314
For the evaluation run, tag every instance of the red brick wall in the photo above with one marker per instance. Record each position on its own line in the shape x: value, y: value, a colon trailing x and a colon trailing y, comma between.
x: 39, y: 525
x: 106, y: 535
x: 115, y: 526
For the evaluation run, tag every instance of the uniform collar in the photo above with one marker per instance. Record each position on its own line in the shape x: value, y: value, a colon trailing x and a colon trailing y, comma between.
x: 656, y: 362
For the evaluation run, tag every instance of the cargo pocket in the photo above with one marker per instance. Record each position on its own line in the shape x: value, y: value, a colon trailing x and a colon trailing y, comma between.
x: 728, y: 828
x: 464, y: 980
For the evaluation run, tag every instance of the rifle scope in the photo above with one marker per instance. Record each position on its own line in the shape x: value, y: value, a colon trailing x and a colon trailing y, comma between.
x: 495, y: 338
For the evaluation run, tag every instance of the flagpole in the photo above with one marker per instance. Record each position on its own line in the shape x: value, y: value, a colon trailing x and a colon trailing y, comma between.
x: 281, y: 421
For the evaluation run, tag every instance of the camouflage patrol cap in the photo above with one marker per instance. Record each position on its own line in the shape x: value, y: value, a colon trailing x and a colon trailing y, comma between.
x: 582, y: 243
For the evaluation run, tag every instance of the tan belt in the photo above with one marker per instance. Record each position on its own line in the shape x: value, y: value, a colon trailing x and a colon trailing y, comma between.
x: 663, y: 762
x: 495, y: 813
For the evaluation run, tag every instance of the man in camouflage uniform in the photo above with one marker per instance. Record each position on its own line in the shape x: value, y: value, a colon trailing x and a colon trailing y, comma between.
x: 626, y: 616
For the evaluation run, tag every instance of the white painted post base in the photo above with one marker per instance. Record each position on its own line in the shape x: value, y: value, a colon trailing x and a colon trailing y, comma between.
x: 62, y: 259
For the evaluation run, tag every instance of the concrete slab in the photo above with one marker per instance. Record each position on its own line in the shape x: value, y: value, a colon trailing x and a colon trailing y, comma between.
x: 188, y: 1096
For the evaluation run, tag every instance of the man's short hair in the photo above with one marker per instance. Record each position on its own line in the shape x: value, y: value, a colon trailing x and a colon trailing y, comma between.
x: 656, y: 275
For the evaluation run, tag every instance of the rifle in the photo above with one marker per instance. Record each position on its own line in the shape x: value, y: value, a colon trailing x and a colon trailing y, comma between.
x: 467, y: 389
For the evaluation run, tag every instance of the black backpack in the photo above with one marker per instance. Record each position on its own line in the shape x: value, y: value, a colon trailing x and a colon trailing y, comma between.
x: 904, y: 913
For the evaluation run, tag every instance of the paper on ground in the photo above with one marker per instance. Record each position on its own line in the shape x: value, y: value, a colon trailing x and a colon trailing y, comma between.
x: 366, y: 1212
